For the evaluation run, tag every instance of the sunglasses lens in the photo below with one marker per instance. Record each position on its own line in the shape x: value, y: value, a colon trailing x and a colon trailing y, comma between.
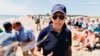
x: 61, y: 17
x: 54, y: 17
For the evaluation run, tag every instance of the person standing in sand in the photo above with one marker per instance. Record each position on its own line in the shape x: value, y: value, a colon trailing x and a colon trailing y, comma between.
x: 38, y: 24
x: 55, y: 39
x: 24, y: 35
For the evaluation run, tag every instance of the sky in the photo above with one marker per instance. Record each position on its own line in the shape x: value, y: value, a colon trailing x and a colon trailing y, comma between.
x: 32, y: 7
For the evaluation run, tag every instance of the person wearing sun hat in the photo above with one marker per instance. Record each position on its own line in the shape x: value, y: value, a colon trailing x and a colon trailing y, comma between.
x: 55, y: 38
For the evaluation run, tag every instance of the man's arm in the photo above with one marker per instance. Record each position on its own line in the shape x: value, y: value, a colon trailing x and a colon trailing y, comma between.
x: 69, y: 48
x: 27, y: 43
x: 31, y: 38
x: 37, y: 49
x: 70, y: 51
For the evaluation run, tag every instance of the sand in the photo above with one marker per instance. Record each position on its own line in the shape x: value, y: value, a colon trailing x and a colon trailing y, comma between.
x: 29, y: 22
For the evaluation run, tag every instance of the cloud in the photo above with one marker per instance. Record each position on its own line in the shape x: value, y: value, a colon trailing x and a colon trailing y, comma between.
x: 9, y: 8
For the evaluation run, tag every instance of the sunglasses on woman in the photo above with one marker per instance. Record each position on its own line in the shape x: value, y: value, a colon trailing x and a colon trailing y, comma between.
x: 61, y: 17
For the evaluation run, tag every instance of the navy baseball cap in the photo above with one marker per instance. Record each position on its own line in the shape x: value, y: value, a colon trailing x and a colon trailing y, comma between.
x: 60, y: 8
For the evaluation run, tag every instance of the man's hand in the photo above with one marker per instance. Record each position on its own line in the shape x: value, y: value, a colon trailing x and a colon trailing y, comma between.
x: 21, y: 44
x: 50, y: 54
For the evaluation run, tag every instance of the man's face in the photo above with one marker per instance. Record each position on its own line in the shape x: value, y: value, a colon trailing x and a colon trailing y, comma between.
x: 15, y: 27
x: 58, y: 19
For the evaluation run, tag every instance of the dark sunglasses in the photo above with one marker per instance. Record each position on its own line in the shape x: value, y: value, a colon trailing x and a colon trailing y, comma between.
x: 61, y: 17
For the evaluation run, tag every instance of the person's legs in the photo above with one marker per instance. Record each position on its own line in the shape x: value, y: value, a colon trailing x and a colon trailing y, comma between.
x: 10, y: 51
x: 84, y: 46
x: 32, y: 51
x: 39, y: 26
x: 96, y: 40
x: 74, y: 36
x: 79, y: 41
x: 25, y: 53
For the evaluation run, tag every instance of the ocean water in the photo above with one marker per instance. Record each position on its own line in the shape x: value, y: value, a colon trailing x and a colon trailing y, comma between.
x: 8, y: 17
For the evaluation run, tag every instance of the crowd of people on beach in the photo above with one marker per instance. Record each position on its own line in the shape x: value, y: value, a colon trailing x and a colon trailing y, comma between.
x: 55, y: 39
x: 86, y: 33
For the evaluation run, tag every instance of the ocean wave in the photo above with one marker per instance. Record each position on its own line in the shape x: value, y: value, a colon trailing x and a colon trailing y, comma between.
x: 9, y: 19
x: 4, y: 18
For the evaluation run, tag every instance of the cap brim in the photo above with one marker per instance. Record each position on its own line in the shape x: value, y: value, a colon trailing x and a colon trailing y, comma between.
x: 58, y: 11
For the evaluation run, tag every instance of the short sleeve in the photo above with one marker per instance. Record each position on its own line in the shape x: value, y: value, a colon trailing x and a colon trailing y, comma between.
x: 30, y: 35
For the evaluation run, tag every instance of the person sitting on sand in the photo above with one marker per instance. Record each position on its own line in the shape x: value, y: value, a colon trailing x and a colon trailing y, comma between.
x: 82, y: 37
x: 77, y: 33
x: 90, y: 41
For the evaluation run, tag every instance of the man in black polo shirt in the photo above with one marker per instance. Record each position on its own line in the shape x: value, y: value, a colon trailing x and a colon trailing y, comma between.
x: 55, y: 39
